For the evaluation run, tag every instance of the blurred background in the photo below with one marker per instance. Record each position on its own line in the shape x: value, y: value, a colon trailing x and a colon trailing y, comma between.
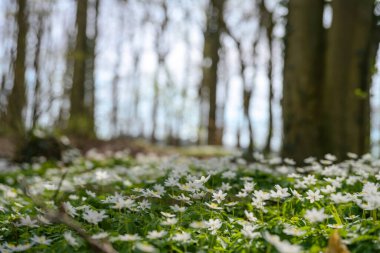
x: 299, y: 78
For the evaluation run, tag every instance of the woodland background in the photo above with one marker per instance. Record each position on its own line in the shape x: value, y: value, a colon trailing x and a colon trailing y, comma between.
x: 295, y: 77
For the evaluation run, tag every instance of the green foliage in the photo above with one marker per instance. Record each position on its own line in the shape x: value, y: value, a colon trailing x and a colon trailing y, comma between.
x: 211, y: 205
x: 360, y: 93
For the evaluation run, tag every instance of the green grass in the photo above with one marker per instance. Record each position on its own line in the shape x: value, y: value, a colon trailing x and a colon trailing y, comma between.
x: 135, y: 197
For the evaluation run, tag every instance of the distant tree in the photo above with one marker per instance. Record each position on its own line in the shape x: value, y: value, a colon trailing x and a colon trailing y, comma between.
x: 246, y: 92
x: 36, y: 64
x: 90, y: 69
x: 115, y: 91
x: 16, y: 101
x: 208, y: 88
x: 267, y: 25
x: 80, y: 122
x: 162, y: 51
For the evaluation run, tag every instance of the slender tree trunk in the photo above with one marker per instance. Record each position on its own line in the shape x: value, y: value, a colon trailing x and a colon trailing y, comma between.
x: 115, y: 100
x: 115, y: 88
x: 238, y: 144
x: 37, y: 85
x: 80, y: 124
x: 222, y: 107
x: 15, y: 125
x: 2, y: 89
x: 91, y: 72
x: 267, y: 23
x: 186, y: 82
x: 303, y: 71
x: 246, y: 95
x: 155, y: 105
x: 136, y: 93
x: 64, y: 108
x: 212, y: 45
x: 267, y: 148
x: 346, y: 93
x: 162, y: 51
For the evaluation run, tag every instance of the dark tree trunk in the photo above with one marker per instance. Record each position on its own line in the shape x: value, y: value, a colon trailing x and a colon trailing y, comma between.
x: 90, y: 72
x: 80, y: 124
x: 37, y: 85
x: 267, y: 23
x: 212, y: 45
x: 303, y: 74
x: 15, y: 125
x: 346, y: 93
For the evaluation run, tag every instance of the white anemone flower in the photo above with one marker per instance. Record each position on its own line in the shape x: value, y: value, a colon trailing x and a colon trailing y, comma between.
x: 145, y: 247
x: 213, y: 225
x: 315, y: 215
x: 70, y: 239
x: 213, y: 206
x: 248, y: 231
x: 94, y: 217
x: 169, y: 222
x: 314, y: 196
x: 154, y: 234
x: 292, y: 230
x: 282, y: 246
x: 40, y: 240
x: 126, y: 238
x: 100, y: 235
x: 27, y: 222
x: 219, y: 196
x: 250, y: 216
x: 182, y: 237
x: 70, y: 209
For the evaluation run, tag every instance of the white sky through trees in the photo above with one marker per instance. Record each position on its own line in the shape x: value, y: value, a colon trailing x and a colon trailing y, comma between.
x: 127, y: 21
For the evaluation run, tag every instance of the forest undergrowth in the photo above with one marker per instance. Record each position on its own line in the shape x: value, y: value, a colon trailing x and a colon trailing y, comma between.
x: 176, y: 204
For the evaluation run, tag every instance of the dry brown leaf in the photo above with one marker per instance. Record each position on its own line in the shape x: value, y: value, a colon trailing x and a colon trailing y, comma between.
x: 335, y: 244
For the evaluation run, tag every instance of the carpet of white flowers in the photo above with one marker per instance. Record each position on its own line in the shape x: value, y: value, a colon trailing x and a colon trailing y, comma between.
x: 176, y: 204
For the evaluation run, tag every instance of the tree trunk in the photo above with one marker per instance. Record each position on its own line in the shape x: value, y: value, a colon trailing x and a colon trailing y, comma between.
x: 162, y: 51
x: 346, y: 93
x: 211, y: 48
x: 267, y: 23
x: 115, y: 97
x: 136, y: 94
x: 115, y: 85
x: 15, y: 125
x: 303, y: 73
x: 90, y: 72
x: 155, y: 108
x: 37, y: 85
x: 80, y: 121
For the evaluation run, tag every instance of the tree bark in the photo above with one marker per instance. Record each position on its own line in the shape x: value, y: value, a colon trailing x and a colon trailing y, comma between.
x: 267, y: 23
x: 90, y: 72
x: 346, y: 93
x: 79, y: 124
x: 37, y: 85
x: 15, y: 125
x: 303, y: 73
x: 211, y: 48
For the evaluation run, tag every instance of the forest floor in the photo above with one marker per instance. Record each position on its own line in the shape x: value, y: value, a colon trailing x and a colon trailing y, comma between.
x: 127, y: 195
x: 171, y: 203
x: 134, y: 146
